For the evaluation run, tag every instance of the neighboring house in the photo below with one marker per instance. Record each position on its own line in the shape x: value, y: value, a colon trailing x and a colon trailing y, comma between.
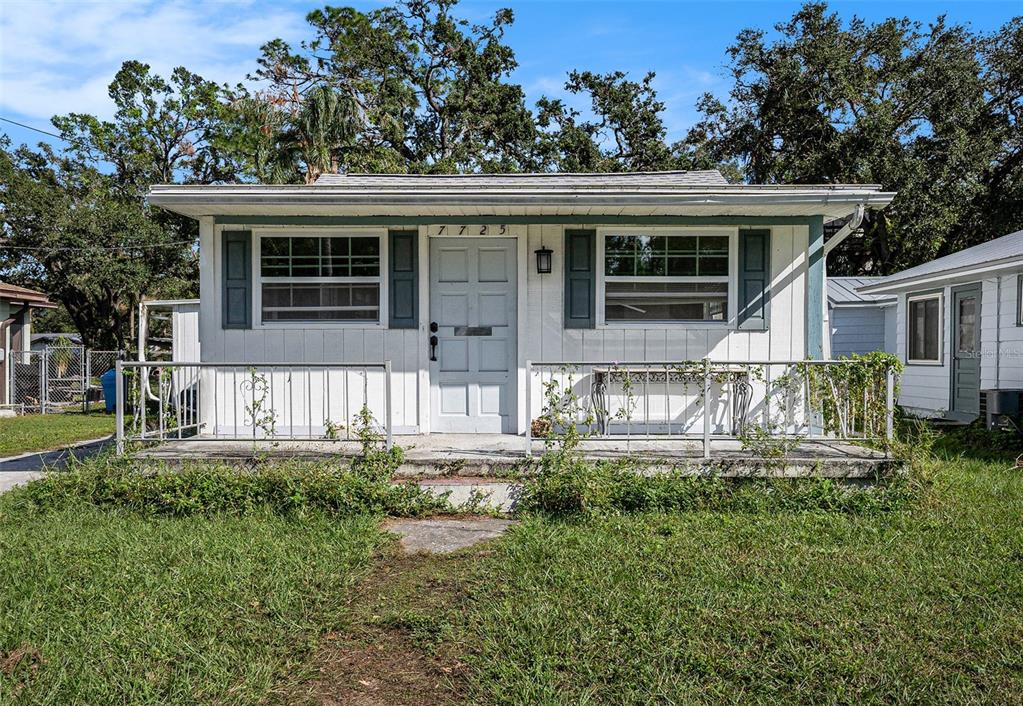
x: 462, y: 282
x: 40, y: 341
x: 16, y: 307
x: 859, y: 323
x: 959, y: 331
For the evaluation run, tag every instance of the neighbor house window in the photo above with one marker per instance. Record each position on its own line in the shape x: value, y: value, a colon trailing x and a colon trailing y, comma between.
x: 1019, y: 300
x: 924, y: 329
x: 335, y: 278
x: 665, y: 278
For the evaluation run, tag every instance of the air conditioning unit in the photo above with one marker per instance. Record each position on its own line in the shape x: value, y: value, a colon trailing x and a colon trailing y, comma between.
x: 1003, y: 409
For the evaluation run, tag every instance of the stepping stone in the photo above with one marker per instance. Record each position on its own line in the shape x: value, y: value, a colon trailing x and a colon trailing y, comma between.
x: 445, y: 536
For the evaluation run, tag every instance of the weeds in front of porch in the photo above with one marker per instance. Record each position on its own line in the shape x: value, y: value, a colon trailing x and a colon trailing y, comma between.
x: 578, y: 488
x: 286, y: 488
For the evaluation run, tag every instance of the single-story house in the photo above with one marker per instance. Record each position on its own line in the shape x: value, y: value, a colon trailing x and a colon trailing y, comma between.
x: 859, y: 323
x: 959, y: 323
x: 468, y: 283
x: 16, y: 307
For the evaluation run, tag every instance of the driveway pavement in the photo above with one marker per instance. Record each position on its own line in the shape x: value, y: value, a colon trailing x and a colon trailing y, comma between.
x: 17, y: 470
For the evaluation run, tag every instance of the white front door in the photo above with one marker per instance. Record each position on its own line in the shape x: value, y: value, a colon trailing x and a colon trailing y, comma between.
x: 472, y: 308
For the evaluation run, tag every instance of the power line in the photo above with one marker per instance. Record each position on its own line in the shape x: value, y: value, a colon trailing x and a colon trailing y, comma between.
x: 29, y: 127
x: 112, y: 248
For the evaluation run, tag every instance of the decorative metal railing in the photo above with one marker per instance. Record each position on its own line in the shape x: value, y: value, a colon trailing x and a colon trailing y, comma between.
x: 158, y: 401
x: 707, y: 399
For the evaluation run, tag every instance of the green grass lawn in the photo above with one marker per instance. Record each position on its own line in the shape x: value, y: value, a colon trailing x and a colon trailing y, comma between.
x: 99, y: 607
x: 40, y: 432
x: 923, y: 605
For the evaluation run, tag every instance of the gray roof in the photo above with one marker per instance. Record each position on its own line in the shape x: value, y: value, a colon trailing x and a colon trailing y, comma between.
x: 1006, y: 251
x: 708, y: 177
x: 842, y: 291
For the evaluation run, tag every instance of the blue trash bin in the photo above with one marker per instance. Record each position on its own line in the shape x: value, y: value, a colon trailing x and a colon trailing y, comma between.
x: 109, y: 382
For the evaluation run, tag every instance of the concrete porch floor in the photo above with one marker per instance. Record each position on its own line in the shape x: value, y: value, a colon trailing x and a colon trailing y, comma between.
x: 487, y: 455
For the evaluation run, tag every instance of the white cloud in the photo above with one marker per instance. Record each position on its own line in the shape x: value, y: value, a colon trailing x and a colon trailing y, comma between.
x: 59, y: 57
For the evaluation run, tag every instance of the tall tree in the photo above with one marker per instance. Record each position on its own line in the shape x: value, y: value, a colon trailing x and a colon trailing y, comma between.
x: 71, y: 231
x: 892, y: 103
x: 430, y: 91
x: 625, y: 130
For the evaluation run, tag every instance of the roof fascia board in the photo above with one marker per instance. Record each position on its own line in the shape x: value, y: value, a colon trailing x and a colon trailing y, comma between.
x: 512, y: 220
x: 941, y: 277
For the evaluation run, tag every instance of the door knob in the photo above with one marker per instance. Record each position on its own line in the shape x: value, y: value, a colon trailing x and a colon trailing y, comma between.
x: 433, y: 348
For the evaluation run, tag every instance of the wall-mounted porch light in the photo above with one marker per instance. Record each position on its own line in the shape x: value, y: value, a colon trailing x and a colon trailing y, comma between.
x: 543, y: 260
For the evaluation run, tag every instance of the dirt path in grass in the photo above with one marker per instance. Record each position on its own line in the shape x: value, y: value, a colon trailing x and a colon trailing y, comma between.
x: 403, y: 647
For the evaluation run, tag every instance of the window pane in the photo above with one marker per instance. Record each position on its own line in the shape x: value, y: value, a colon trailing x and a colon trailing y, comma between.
x: 713, y: 266
x: 619, y: 266
x: 666, y: 301
x: 321, y: 302
x: 320, y: 257
x: 680, y: 245
x: 924, y: 330
x: 967, y: 330
x: 682, y: 266
x: 660, y: 255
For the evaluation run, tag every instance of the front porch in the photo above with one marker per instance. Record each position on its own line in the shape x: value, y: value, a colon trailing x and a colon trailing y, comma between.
x: 463, y: 457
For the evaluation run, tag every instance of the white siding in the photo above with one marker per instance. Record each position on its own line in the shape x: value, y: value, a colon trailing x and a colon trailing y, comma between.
x: 926, y: 389
x: 542, y: 339
x: 785, y: 339
x: 1001, y: 337
x: 856, y: 329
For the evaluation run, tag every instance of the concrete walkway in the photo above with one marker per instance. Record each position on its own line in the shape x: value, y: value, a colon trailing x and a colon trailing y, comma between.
x: 18, y: 470
x: 442, y: 536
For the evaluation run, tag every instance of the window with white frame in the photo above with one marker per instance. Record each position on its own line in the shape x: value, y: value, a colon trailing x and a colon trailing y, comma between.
x: 923, y: 328
x: 315, y: 279
x: 665, y: 278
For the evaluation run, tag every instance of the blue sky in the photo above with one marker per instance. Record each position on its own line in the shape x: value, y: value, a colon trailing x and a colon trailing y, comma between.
x: 59, y: 57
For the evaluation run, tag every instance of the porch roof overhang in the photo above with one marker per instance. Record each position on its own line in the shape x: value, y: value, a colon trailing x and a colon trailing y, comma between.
x: 463, y: 200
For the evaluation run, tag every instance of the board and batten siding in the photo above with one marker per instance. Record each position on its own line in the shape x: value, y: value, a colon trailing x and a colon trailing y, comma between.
x: 856, y: 329
x: 542, y: 336
x: 548, y: 341
x: 1001, y: 338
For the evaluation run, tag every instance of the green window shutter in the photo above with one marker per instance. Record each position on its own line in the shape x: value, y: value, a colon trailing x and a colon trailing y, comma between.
x: 754, y: 279
x: 403, y: 294
x: 580, y: 278
x: 237, y: 291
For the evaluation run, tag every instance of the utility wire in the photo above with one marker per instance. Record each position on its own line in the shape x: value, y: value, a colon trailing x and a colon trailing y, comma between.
x: 29, y: 127
x: 98, y: 247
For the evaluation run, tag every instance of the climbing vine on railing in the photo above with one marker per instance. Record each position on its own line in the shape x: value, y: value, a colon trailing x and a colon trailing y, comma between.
x: 564, y: 419
x: 260, y: 413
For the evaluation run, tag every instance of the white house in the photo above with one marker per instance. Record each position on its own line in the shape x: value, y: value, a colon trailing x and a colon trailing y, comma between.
x: 466, y: 284
x: 859, y: 323
x: 958, y: 321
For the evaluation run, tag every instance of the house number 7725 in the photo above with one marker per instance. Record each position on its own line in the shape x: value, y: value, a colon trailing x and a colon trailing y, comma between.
x: 474, y: 230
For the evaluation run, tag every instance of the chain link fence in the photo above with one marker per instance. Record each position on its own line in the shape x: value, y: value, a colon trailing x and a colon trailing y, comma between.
x: 59, y: 378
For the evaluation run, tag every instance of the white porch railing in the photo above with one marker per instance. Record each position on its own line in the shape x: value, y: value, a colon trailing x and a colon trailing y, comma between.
x: 158, y: 401
x: 707, y: 400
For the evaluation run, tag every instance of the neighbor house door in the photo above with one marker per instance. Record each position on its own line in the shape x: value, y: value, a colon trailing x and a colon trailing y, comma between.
x: 966, y: 349
x: 472, y: 315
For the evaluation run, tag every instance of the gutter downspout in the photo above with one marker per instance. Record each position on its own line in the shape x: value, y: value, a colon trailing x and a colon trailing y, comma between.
x: 830, y: 245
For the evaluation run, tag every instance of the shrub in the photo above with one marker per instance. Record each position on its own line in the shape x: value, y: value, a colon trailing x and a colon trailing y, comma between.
x: 572, y: 487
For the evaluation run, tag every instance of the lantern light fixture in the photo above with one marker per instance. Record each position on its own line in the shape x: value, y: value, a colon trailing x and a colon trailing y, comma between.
x: 543, y: 260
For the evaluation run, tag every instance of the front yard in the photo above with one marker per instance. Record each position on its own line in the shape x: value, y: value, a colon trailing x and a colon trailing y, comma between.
x: 42, y: 432
x: 921, y: 603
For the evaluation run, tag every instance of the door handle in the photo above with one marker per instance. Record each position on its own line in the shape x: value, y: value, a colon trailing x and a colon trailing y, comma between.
x: 433, y: 349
